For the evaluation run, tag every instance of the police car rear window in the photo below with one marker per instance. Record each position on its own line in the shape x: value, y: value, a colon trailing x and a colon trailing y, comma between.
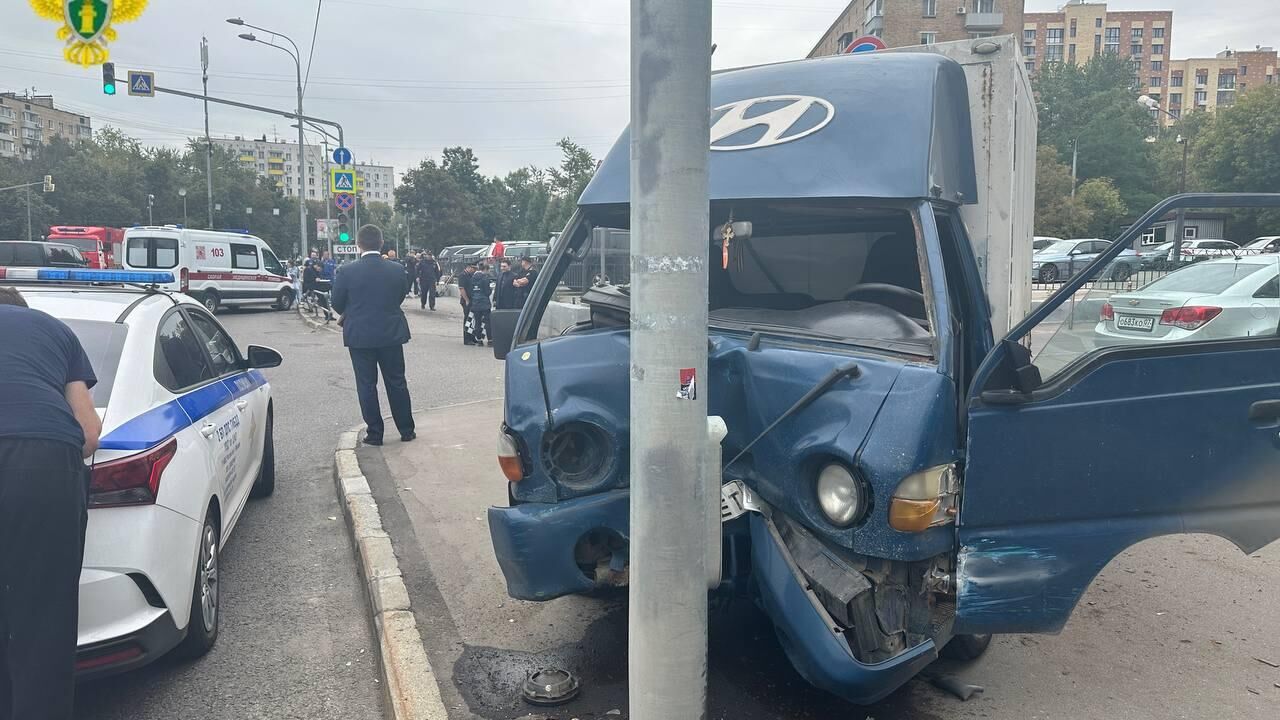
x: 102, y: 342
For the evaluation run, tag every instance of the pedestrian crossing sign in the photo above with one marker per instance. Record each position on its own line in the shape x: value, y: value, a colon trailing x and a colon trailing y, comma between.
x: 342, y: 181
x: 142, y: 83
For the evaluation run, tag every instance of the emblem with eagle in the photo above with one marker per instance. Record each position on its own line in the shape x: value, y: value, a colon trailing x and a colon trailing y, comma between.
x: 86, y: 25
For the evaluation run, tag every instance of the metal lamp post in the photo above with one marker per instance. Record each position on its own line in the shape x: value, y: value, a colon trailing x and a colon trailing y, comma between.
x: 1180, y: 223
x: 325, y: 136
x: 182, y: 193
x: 151, y: 201
x: 296, y: 54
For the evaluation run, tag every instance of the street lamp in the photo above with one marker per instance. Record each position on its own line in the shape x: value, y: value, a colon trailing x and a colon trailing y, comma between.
x: 296, y: 54
x: 1180, y: 222
x: 325, y: 136
x: 182, y: 193
x: 151, y: 201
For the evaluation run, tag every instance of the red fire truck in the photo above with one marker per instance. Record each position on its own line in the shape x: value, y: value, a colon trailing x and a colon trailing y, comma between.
x: 101, y: 246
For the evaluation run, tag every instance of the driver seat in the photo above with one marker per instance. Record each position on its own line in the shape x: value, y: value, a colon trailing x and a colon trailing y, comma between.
x: 892, y: 260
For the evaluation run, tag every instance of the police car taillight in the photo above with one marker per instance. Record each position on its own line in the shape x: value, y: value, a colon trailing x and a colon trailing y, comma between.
x: 134, y: 480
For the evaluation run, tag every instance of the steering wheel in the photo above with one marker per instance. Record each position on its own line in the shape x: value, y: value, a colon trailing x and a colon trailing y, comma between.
x: 905, y: 300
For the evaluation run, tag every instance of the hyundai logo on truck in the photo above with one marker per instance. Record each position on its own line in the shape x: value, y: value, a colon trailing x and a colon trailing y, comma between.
x: 783, y: 118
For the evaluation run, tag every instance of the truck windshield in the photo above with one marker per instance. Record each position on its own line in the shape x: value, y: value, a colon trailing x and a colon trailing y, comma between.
x: 849, y: 274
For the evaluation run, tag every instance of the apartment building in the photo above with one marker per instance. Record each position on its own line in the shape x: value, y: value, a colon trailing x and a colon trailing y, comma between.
x: 1199, y: 84
x: 1082, y: 30
x: 29, y: 121
x: 277, y: 161
x: 901, y: 23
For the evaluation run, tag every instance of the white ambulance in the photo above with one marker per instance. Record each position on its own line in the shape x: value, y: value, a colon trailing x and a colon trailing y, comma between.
x: 217, y: 268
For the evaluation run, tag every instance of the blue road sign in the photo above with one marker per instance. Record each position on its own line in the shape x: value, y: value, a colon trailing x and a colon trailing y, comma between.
x: 342, y: 181
x: 342, y: 156
x: 344, y: 201
x: 142, y: 83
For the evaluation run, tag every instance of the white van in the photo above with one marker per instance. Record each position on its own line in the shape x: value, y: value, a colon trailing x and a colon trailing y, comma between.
x: 216, y: 268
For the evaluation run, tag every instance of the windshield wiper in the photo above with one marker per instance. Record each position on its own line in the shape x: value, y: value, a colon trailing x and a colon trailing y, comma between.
x: 850, y: 371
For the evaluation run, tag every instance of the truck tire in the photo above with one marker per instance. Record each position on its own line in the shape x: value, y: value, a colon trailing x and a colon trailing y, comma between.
x: 966, y: 647
x: 211, y: 301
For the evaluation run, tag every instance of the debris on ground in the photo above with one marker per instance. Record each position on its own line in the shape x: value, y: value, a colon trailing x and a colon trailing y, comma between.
x: 550, y: 686
x: 1264, y: 661
x: 955, y: 686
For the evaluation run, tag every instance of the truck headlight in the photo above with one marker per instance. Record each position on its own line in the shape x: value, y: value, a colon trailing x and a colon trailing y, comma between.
x: 841, y: 496
x: 925, y: 499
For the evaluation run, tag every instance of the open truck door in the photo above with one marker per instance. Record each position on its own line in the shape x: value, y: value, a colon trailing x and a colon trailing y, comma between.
x: 1142, y: 408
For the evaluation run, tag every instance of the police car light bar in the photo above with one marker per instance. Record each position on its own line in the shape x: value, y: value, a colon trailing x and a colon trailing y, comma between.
x: 77, y: 275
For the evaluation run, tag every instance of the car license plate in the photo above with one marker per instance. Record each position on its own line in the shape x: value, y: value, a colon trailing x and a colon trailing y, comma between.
x: 1135, y: 322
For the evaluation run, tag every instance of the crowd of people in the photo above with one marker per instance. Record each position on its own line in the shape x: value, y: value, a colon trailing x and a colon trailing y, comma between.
x: 480, y: 289
x: 481, y: 292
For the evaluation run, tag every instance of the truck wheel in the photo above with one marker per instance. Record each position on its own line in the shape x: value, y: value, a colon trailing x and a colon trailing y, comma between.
x: 285, y: 300
x: 966, y: 647
x: 1049, y: 273
x: 202, y: 623
x: 210, y: 301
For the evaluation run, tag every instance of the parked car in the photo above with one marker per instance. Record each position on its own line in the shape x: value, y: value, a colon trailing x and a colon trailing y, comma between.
x: 1041, y: 242
x: 217, y: 268
x: 1193, y: 250
x: 1265, y: 244
x: 1216, y: 299
x: 1065, y: 258
x: 21, y: 253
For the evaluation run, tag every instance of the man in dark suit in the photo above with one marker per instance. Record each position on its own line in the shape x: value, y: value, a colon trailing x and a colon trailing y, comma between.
x: 428, y: 276
x: 368, y: 294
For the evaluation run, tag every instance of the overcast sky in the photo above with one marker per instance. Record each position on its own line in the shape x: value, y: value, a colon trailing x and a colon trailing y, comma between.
x: 408, y: 77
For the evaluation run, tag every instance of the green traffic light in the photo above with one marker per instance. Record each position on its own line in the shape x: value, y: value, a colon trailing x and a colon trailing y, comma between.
x: 344, y: 237
x: 109, y: 89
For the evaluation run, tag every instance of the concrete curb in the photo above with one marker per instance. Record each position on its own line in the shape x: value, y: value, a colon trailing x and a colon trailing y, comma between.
x: 316, y: 324
x: 409, y: 684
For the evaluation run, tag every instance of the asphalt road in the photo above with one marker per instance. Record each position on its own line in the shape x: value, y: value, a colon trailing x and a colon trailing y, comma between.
x: 1172, y: 629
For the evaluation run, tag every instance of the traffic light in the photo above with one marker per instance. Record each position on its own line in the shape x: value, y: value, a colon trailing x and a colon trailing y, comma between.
x: 344, y: 230
x: 108, y: 78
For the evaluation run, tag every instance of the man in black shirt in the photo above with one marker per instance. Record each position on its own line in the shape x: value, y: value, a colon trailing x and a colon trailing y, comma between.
x: 428, y: 276
x: 479, y: 290
x: 310, y: 275
x: 504, y: 295
x: 464, y: 291
x: 525, y: 278
x: 47, y: 427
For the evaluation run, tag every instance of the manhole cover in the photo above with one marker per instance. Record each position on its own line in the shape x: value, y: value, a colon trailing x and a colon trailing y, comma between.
x: 550, y: 686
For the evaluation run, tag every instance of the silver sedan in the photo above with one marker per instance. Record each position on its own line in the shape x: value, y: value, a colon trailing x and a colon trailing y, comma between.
x: 1211, y: 300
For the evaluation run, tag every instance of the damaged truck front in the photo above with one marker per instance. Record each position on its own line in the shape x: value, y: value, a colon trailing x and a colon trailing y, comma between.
x: 879, y: 209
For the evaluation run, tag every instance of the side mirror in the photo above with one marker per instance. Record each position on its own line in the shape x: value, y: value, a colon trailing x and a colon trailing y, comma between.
x: 263, y: 357
x: 502, y: 331
x: 741, y: 231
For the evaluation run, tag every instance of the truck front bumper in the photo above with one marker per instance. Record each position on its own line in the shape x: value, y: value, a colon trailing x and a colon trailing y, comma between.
x: 534, y: 544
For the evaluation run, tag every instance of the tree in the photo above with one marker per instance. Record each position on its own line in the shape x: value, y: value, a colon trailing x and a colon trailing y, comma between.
x: 1106, y: 209
x: 1096, y: 105
x: 1057, y: 213
x: 446, y: 213
x: 1239, y: 151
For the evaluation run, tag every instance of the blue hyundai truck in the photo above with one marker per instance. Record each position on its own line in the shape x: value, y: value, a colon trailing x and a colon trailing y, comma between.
x: 912, y: 461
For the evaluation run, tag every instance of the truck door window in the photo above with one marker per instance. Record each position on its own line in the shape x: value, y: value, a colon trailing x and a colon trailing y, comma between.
x: 1134, y: 300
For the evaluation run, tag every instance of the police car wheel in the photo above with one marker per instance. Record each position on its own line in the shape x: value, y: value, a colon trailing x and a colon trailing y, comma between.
x: 266, y: 482
x: 966, y: 647
x: 285, y: 301
x: 210, y: 301
x: 202, y: 624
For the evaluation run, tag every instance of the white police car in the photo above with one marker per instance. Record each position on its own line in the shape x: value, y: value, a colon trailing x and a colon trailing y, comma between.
x: 186, y: 440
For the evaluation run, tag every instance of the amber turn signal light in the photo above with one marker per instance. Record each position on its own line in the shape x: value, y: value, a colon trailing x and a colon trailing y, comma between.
x: 913, y: 515
x: 509, y: 457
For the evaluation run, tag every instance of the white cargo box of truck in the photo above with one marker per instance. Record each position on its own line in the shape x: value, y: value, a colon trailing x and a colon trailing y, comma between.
x: 1001, y: 225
